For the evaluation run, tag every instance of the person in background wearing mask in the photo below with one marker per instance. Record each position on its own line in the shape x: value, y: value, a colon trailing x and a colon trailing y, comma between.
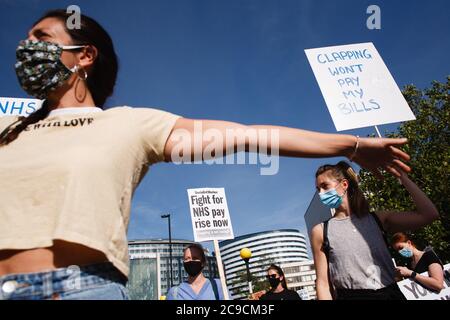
x: 279, y: 289
x: 420, y: 262
x: 350, y: 250
x: 197, y: 287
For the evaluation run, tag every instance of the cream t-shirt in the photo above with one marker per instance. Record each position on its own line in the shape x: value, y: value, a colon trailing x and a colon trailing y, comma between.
x: 72, y: 175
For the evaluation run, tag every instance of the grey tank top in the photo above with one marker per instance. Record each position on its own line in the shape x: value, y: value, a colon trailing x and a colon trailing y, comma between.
x: 358, y: 256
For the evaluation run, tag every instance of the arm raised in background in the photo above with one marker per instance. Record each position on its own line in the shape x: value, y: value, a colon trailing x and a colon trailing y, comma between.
x: 424, y: 214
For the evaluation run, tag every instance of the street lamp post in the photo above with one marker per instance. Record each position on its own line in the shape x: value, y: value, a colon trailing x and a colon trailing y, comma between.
x: 246, y: 254
x: 170, y: 248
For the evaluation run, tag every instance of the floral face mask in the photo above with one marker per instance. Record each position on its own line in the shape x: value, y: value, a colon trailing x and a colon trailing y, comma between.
x: 39, y: 68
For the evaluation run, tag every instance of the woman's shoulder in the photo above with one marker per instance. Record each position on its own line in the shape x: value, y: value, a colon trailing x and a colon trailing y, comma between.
x: 8, y: 118
x: 131, y: 109
x: 430, y: 256
x: 293, y: 293
x: 118, y: 109
x: 143, y: 115
x: 5, y: 121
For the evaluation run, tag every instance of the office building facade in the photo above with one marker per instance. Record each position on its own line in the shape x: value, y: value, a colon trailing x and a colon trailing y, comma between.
x: 275, y: 246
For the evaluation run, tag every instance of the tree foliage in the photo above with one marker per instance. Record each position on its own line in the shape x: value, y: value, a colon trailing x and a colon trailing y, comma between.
x: 429, y: 148
x: 258, y: 282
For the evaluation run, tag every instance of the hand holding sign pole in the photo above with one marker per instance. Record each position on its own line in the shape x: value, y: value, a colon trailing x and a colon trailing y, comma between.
x: 211, y: 221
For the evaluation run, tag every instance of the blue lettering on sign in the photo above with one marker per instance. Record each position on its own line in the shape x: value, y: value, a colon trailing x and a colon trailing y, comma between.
x: 349, y: 81
x: 345, y: 70
x: 17, y: 106
x: 353, y: 93
x: 344, y: 56
x: 31, y: 108
x: 360, y: 106
x: 3, y: 107
x: 348, y: 74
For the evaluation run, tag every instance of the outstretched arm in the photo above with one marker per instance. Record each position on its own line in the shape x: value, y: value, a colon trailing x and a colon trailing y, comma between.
x: 193, y: 137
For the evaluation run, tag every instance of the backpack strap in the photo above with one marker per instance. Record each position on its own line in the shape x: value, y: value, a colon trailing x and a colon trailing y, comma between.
x: 326, y: 250
x: 326, y: 242
x: 215, y: 289
x: 380, y: 225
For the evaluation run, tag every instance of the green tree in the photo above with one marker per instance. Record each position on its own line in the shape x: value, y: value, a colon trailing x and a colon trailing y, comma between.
x: 429, y: 148
x: 258, y: 282
x: 241, y: 278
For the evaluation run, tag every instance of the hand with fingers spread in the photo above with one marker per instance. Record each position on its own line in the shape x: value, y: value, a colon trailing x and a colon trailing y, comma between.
x: 375, y: 154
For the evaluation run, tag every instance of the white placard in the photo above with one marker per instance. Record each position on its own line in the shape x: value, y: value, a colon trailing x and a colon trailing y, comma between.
x: 209, y: 214
x: 357, y: 86
x: 414, y: 291
x: 304, y: 294
x: 18, y: 106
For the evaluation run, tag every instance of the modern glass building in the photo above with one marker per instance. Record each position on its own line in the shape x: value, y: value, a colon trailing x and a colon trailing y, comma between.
x: 144, y: 282
x: 276, y: 246
x: 150, y: 267
x: 301, y: 277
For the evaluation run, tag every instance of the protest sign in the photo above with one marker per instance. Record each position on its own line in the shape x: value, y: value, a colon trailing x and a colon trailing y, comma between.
x: 413, y: 290
x: 211, y: 221
x: 18, y: 106
x: 357, y: 86
x: 209, y: 214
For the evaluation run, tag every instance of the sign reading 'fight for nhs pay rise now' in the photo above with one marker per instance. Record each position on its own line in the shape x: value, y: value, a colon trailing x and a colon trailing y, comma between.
x: 209, y: 214
x: 357, y: 86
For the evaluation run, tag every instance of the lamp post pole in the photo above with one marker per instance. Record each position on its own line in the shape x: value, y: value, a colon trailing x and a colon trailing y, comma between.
x: 246, y: 254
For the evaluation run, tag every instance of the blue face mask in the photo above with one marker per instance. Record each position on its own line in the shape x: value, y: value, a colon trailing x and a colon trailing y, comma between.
x: 406, y: 253
x: 331, y: 198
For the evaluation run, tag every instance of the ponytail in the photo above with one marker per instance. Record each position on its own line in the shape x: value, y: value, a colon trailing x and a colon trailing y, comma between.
x: 12, y: 131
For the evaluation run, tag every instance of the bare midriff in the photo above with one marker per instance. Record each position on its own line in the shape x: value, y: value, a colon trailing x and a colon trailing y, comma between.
x: 62, y: 254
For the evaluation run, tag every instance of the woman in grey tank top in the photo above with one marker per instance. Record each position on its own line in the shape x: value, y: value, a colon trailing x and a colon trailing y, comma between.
x: 350, y: 251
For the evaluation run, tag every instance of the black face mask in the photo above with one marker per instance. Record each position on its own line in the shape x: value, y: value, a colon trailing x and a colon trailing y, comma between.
x: 193, y: 268
x: 274, y: 282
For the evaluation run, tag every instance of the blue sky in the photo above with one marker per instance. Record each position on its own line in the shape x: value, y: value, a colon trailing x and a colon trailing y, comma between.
x: 243, y: 61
